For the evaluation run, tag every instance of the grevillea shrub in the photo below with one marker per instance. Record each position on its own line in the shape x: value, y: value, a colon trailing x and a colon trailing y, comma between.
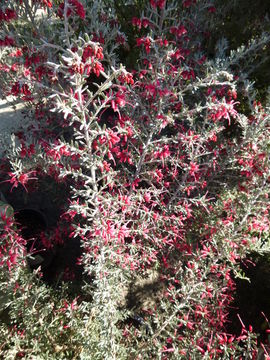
x: 165, y: 164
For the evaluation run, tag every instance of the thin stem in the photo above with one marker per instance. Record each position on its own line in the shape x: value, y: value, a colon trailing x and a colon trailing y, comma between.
x: 29, y: 13
x: 66, y: 23
x: 139, y: 166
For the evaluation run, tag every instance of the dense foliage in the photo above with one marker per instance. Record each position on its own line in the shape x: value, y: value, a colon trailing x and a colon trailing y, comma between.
x: 147, y: 134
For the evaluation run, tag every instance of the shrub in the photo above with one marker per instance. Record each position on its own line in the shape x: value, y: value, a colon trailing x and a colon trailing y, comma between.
x: 164, y: 166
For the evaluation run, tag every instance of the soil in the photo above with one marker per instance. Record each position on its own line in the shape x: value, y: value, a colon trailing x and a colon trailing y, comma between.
x: 11, y: 118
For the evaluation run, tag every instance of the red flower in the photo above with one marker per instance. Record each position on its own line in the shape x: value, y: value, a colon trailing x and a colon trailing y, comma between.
x: 44, y: 3
x: 146, y: 42
x: 7, y: 42
x: 126, y: 78
x: 188, y: 3
x: 40, y: 71
x: 147, y: 197
x: 163, y: 154
x: 178, y: 31
x: 120, y: 39
x: 16, y: 179
x: 98, y: 38
x: 7, y: 15
x: 15, y: 90
x: 212, y: 9
x: 158, y: 3
x: 74, y: 7
x: 136, y: 22
x: 16, y: 53
x: 97, y: 68
x: 25, y: 90
x: 119, y: 100
x: 193, y: 169
x: 89, y: 52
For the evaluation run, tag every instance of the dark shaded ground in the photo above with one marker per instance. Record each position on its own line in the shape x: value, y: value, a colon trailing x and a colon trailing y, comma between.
x: 39, y: 211
x: 252, y: 299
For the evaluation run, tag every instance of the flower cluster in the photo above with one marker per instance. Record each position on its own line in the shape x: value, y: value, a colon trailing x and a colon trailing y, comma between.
x: 74, y: 7
x: 7, y: 15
